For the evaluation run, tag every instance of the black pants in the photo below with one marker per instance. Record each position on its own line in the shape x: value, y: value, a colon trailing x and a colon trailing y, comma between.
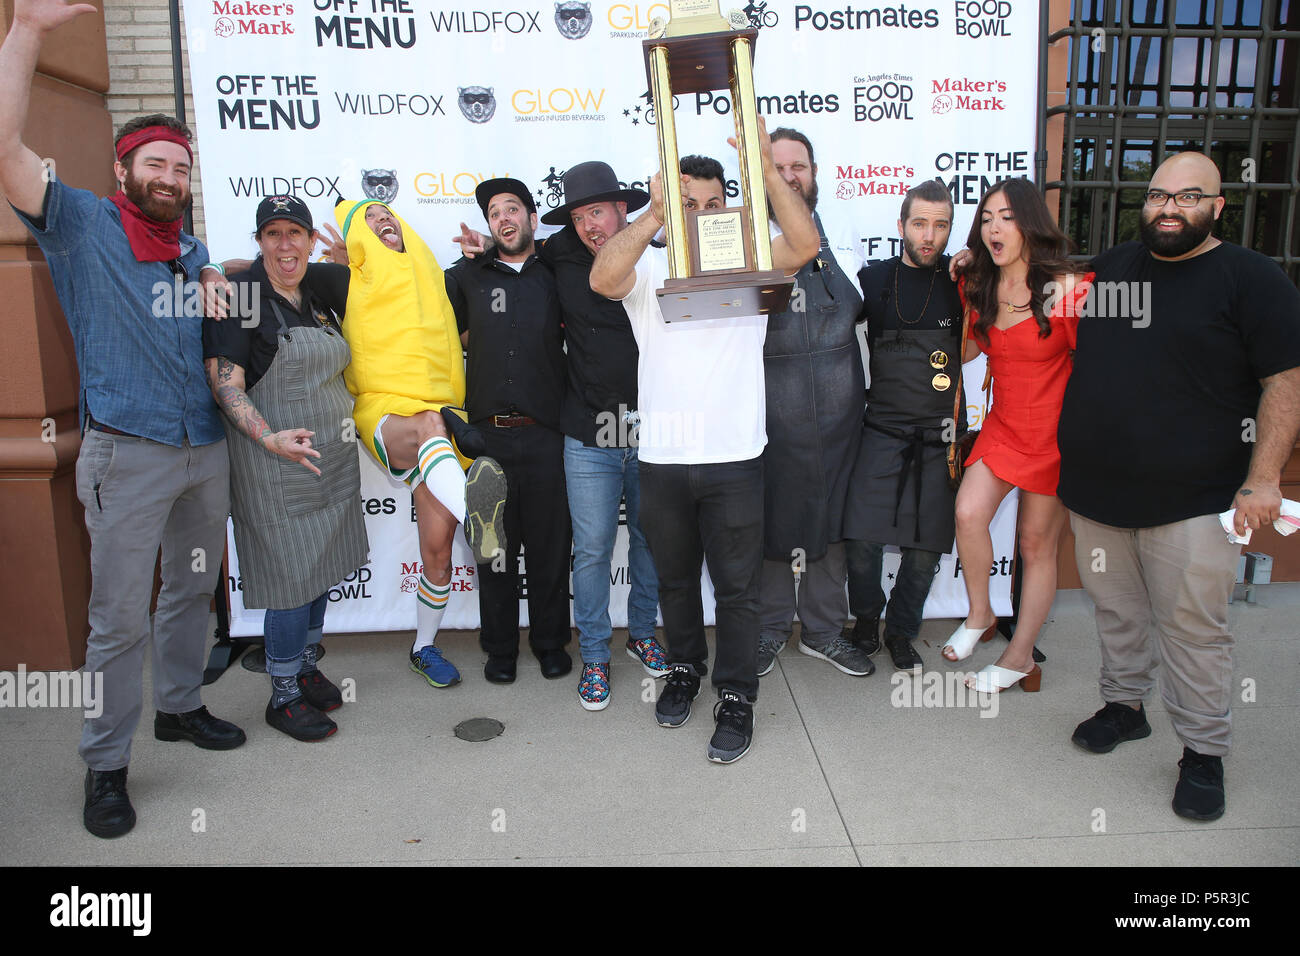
x: 693, y: 513
x: 537, y: 518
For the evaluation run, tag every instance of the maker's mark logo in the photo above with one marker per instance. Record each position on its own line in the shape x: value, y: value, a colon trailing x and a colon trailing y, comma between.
x: 476, y: 102
x: 573, y: 20
x: 380, y: 184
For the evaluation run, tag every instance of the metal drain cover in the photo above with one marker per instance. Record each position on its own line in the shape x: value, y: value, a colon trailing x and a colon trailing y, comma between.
x: 254, y: 658
x: 478, y: 729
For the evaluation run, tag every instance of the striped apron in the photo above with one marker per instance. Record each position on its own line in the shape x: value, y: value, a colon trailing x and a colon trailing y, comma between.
x: 298, y: 534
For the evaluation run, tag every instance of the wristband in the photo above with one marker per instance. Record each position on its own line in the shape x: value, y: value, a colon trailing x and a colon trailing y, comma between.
x: 215, y: 265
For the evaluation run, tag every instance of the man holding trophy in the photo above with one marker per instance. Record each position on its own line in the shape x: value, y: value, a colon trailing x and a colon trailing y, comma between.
x: 700, y: 374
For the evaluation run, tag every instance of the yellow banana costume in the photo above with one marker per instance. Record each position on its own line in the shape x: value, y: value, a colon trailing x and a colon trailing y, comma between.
x: 406, y: 351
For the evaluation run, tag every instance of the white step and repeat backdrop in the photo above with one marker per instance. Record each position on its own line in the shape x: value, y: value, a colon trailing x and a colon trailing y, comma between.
x: 417, y: 101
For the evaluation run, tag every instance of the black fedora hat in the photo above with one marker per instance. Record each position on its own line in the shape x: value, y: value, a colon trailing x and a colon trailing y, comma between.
x: 495, y: 187
x: 593, y: 182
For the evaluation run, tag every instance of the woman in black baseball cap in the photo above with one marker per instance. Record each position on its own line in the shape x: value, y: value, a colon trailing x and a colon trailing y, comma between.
x: 276, y: 368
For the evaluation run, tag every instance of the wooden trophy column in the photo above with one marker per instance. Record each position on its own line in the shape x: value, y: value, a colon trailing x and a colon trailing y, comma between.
x: 44, y: 548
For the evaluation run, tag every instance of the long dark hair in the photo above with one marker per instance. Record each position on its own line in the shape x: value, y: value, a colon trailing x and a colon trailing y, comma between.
x: 1047, y: 245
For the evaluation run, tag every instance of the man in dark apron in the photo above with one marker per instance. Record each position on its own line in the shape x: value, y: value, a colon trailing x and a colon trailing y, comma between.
x: 899, y: 493
x: 815, y: 389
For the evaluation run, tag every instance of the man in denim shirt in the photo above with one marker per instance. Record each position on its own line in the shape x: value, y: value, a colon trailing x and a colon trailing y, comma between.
x: 152, y: 471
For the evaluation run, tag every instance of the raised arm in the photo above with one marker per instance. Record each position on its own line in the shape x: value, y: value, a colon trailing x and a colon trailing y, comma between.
x: 22, y: 175
x: 799, y: 240
x: 226, y: 379
x: 613, y: 274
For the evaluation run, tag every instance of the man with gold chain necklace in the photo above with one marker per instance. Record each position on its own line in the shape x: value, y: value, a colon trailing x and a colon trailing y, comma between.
x: 899, y: 491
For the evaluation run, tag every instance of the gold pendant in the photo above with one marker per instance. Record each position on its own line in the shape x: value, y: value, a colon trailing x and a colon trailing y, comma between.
x: 941, y: 382
x: 938, y: 359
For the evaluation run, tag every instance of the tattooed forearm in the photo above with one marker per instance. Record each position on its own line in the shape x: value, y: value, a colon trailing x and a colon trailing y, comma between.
x: 227, y: 380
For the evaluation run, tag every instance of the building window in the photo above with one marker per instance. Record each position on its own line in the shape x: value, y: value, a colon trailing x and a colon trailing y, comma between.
x: 1148, y: 78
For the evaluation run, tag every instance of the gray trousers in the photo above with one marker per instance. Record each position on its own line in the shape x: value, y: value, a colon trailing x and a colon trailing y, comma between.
x: 821, y: 602
x: 1162, y: 598
x: 141, y: 495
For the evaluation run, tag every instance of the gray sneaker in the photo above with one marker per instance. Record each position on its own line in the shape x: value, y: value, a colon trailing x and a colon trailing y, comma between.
x: 839, y: 653
x: 768, y: 648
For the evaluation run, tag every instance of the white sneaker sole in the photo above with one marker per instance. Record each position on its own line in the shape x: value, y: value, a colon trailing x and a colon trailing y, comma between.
x: 485, y: 505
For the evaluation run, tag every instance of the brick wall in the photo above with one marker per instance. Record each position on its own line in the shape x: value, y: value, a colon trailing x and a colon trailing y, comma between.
x: 140, y: 72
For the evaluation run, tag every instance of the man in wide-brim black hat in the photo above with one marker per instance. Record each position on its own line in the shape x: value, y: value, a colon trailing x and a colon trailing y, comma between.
x: 598, y: 419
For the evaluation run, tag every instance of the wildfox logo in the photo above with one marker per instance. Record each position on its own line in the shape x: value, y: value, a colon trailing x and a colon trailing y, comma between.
x: 476, y: 102
x: 573, y: 20
x: 379, y: 184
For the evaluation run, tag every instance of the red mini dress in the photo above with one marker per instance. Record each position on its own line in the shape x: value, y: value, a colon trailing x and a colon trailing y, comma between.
x: 1018, y: 437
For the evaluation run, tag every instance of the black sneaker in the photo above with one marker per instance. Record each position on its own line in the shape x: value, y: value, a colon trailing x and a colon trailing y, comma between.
x: 680, y: 688
x: 1199, y: 794
x: 865, y: 635
x: 300, y: 720
x: 108, y: 812
x: 199, y: 728
x: 468, y: 438
x: 319, y: 691
x: 1111, y: 726
x: 485, y: 509
x: 902, y: 653
x: 735, y: 730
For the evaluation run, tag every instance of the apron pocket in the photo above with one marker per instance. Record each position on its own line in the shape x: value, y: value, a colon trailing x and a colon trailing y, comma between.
x: 340, y: 471
x: 301, y: 492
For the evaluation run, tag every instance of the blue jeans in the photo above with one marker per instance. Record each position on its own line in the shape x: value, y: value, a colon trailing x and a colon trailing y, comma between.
x: 906, y: 601
x: 596, y: 479
x: 286, y: 635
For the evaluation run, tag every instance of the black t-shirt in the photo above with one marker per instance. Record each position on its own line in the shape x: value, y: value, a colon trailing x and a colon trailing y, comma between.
x: 928, y: 289
x: 1159, y: 409
x: 253, y: 346
x: 602, y: 351
x: 516, y: 345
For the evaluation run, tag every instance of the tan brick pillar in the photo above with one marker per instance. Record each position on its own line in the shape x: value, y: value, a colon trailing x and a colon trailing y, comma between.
x: 44, y: 548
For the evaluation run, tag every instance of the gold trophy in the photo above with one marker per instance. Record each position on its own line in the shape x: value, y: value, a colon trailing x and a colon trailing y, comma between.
x: 719, y: 260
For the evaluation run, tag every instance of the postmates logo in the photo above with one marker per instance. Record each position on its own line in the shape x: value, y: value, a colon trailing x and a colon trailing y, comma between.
x: 251, y: 19
x: 449, y: 187
x: 558, y: 104
x: 873, y: 179
x: 551, y: 191
x: 633, y: 19
x: 964, y: 94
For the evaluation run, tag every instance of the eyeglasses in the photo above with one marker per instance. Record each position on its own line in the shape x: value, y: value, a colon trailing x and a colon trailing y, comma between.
x: 1186, y: 199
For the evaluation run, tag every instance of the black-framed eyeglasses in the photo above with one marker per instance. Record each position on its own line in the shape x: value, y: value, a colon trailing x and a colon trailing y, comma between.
x: 1187, y: 198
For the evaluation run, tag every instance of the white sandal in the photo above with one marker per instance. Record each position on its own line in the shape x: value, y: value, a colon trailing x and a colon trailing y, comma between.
x: 994, y: 679
x: 964, y: 639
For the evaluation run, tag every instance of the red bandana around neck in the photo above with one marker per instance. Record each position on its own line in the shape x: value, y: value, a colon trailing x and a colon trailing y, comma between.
x: 151, y: 240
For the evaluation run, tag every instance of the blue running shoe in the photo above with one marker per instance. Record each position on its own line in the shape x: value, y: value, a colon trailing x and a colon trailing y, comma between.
x: 429, y: 663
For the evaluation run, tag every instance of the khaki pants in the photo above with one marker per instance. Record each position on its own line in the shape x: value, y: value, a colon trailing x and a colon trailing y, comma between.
x: 1162, y: 598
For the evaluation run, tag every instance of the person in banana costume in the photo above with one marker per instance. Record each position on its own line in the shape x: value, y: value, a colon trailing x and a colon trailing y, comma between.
x: 408, y: 373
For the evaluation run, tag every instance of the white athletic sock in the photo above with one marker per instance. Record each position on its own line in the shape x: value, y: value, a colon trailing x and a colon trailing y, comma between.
x: 430, y: 602
x: 443, y: 476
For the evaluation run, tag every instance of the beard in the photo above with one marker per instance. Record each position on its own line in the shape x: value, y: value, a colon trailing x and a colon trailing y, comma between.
x: 914, y: 254
x: 809, y: 198
x: 1174, y: 244
x: 518, y: 243
x: 158, y: 208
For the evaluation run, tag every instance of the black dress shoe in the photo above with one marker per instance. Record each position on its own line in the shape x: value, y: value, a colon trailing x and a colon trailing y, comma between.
x: 300, y: 720
x: 499, y: 670
x: 108, y: 811
x: 319, y: 691
x: 468, y: 438
x: 200, y: 728
x: 555, y: 662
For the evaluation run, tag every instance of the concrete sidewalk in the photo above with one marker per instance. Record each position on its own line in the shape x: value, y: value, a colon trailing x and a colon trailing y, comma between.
x: 837, y: 775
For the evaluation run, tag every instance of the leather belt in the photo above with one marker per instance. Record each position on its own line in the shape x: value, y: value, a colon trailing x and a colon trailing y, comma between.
x: 107, y: 429
x: 511, y: 421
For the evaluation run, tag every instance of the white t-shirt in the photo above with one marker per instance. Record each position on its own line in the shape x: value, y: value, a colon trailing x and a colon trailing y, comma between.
x: 700, y: 383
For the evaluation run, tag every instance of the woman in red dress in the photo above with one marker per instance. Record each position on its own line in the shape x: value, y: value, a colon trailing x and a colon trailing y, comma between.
x: 1021, y: 294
